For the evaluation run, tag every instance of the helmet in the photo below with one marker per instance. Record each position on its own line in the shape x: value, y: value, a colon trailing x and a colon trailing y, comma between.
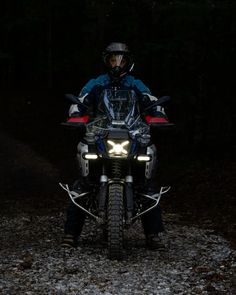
x: 118, y: 59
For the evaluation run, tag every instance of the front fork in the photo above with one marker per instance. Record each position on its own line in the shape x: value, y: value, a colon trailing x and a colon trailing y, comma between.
x: 129, y: 194
x: 129, y: 197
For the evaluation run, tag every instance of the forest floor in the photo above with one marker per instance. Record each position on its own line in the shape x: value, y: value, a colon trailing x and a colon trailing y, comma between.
x: 199, y: 257
x: 199, y: 214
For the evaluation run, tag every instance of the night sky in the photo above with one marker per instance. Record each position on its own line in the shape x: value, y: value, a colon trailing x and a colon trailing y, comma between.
x: 185, y: 49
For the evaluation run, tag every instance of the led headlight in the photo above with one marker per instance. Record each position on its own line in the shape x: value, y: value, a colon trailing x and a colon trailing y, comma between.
x: 144, y: 158
x: 90, y: 156
x: 118, y: 149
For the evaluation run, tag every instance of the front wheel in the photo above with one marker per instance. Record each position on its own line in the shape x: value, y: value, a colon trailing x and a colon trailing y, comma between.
x: 115, y: 213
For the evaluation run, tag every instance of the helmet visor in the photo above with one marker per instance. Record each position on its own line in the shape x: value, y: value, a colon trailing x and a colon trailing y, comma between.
x: 117, y: 60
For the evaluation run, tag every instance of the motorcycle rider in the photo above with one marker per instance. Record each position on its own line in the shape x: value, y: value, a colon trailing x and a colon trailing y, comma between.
x: 119, y: 63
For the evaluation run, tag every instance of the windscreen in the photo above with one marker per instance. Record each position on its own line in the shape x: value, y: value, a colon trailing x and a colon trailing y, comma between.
x: 118, y: 109
x: 119, y: 106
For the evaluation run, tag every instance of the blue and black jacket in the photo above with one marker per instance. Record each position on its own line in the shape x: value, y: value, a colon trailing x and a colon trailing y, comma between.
x: 95, y: 86
x: 90, y: 93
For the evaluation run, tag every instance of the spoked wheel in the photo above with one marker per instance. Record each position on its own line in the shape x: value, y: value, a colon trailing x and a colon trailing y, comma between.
x: 115, y: 213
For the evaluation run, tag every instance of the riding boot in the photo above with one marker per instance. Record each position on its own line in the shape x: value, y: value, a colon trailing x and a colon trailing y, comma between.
x: 152, y: 220
x: 75, y: 218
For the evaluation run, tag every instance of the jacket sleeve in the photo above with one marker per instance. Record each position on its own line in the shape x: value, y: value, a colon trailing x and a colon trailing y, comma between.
x: 141, y: 87
x: 147, y: 99
x: 85, y: 97
x: 86, y: 89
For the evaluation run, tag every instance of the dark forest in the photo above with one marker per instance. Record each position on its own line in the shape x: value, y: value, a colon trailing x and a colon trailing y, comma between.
x: 185, y: 49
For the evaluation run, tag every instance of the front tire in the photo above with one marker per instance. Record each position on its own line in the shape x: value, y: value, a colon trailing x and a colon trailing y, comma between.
x: 115, y: 213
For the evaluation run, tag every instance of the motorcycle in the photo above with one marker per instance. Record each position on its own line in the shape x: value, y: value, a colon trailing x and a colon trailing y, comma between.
x: 116, y: 157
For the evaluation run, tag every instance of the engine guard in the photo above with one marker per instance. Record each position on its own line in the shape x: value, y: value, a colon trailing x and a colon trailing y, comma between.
x: 155, y: 197
x: 73, y: 196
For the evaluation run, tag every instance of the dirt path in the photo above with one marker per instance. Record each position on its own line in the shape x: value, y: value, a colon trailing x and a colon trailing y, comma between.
x: 196, y: 261
x: 28, y: 181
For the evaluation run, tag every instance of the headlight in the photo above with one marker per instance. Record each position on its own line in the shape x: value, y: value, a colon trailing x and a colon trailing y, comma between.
x: 144, y: 158
x: 118, y: 149
x: 90, y: 156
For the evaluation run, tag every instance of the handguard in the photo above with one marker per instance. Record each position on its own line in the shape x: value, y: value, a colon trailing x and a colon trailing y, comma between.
x: 76, y: 121
x: 160, y: 122
x: 151, y: 120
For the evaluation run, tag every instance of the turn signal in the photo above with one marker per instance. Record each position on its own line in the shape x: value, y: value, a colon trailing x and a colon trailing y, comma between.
x: 144, y: 158
x: 90, y: 156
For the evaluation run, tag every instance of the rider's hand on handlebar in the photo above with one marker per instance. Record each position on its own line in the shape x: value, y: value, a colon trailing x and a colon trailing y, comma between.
x: 74, y: 111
